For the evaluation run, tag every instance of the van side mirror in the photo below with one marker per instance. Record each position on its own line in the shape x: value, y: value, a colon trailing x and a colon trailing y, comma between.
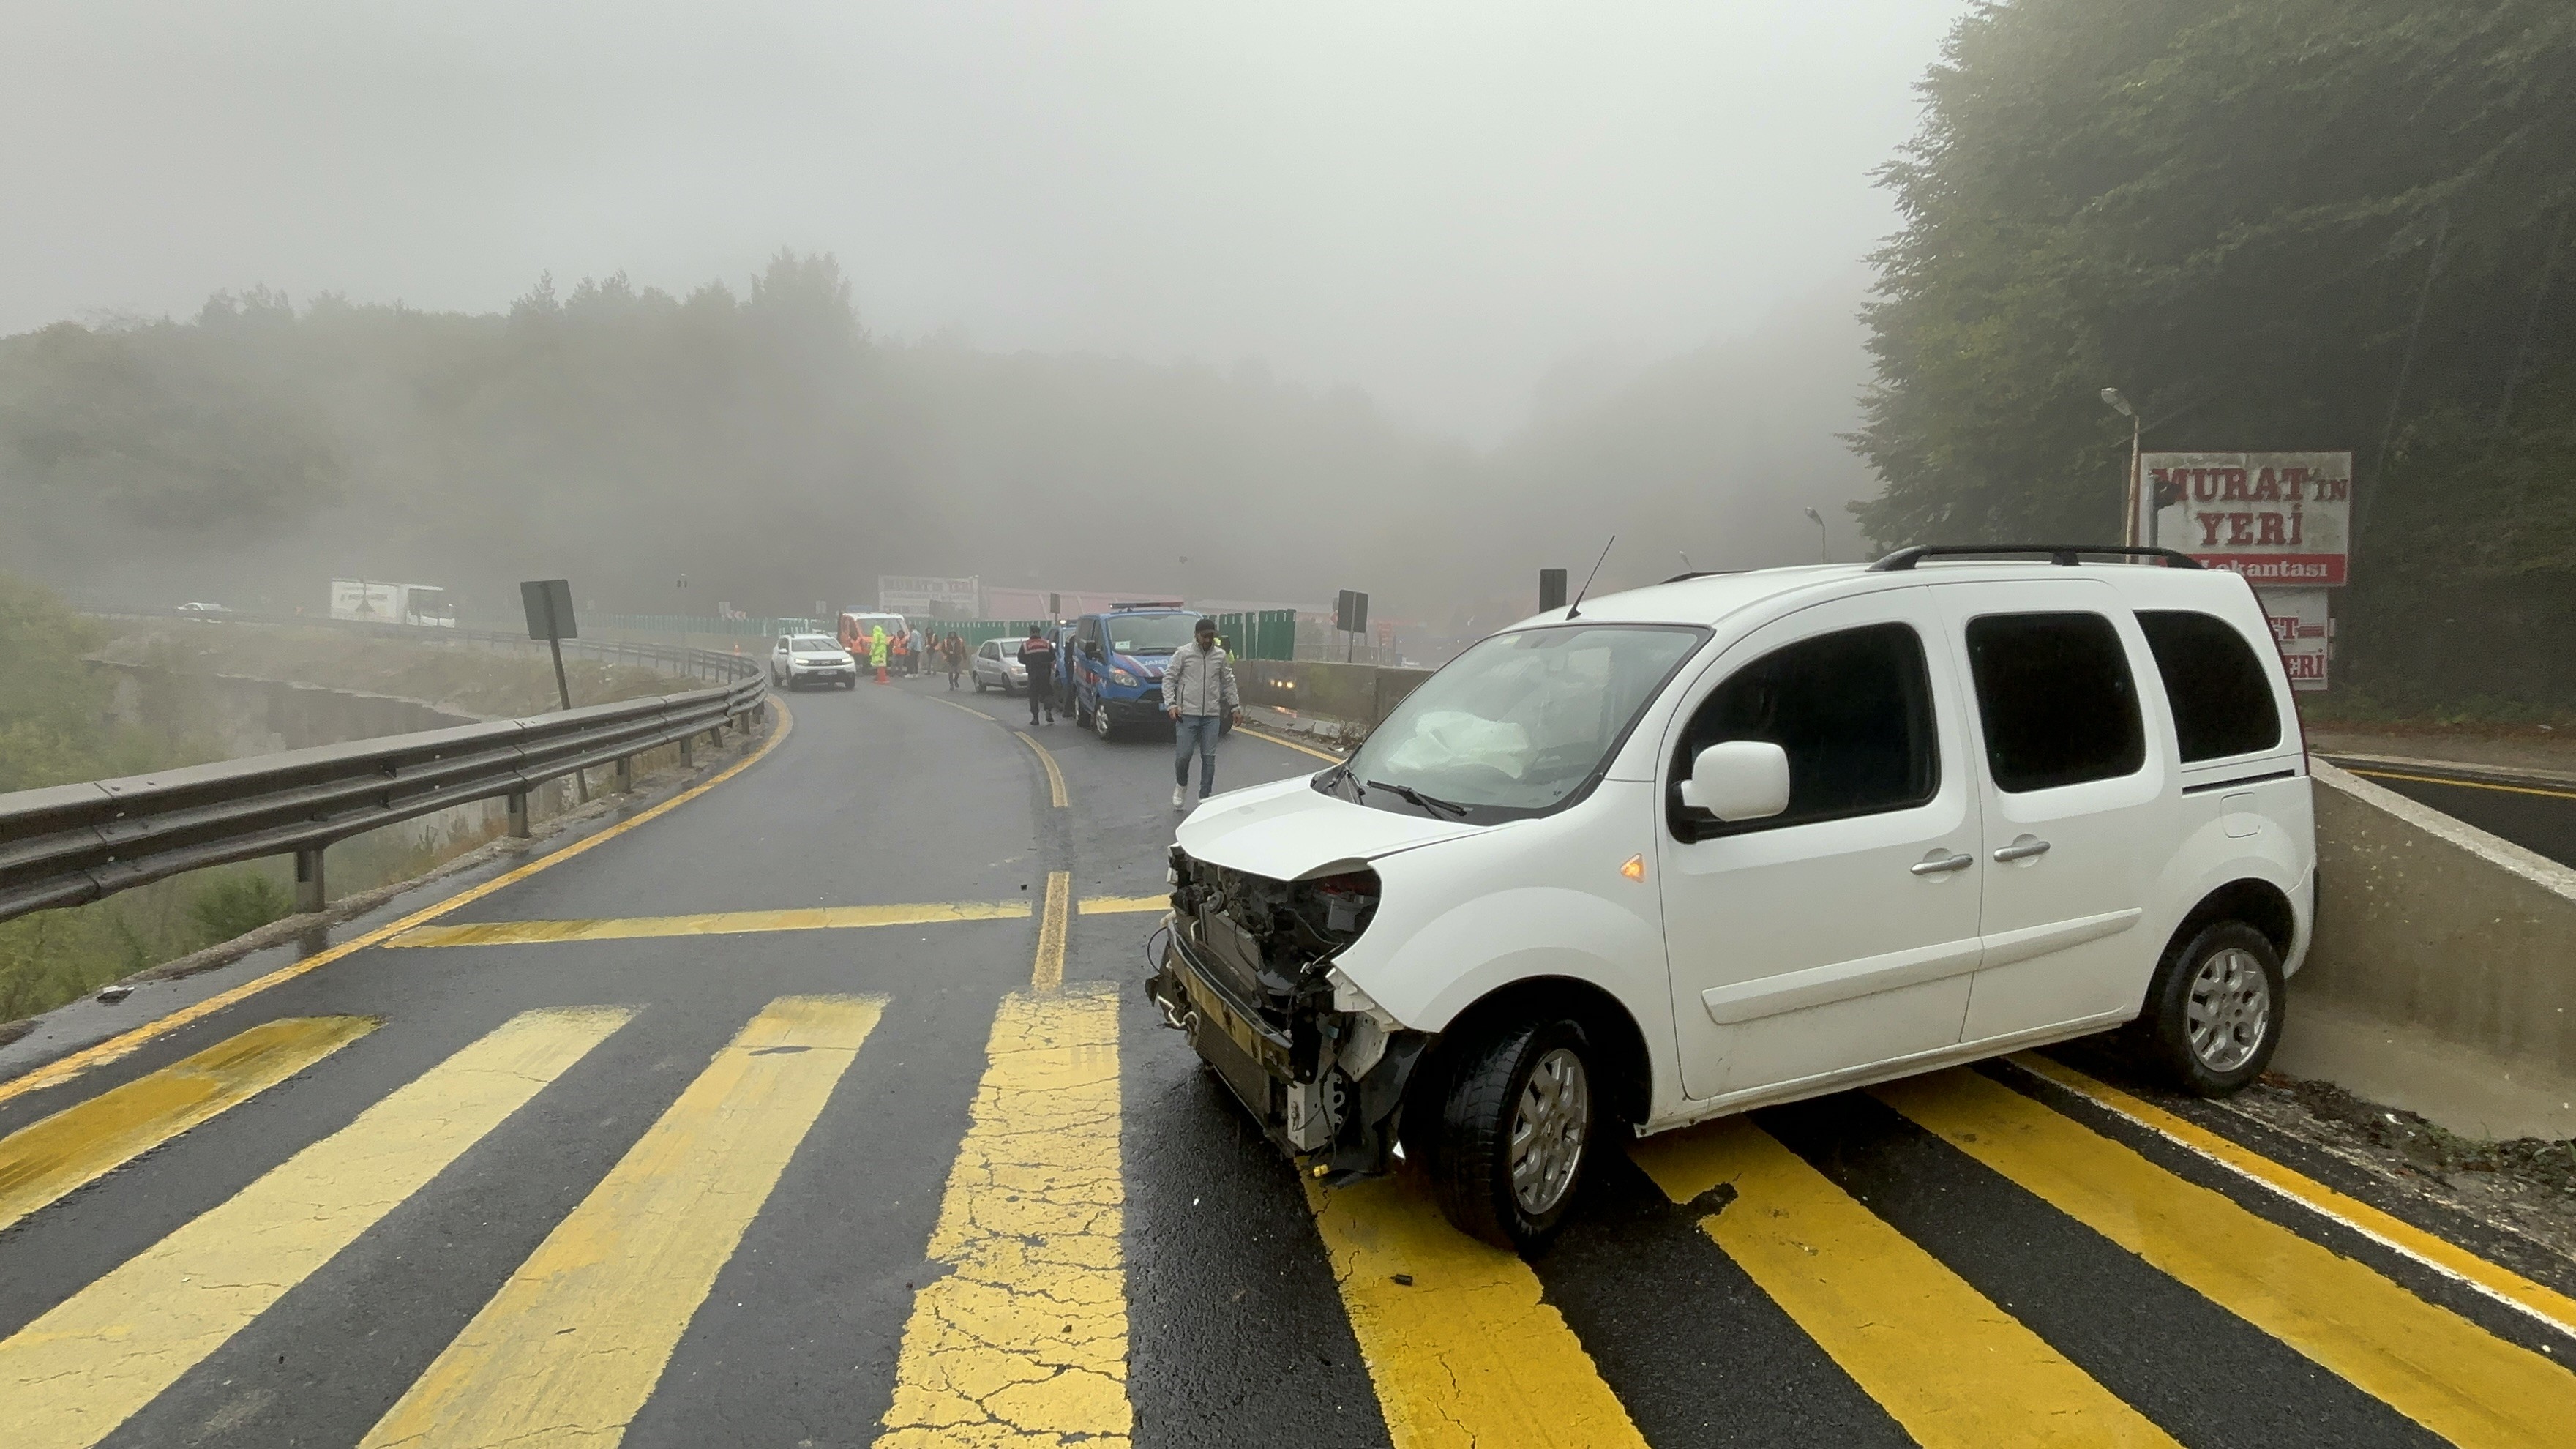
x: 1739, y: 780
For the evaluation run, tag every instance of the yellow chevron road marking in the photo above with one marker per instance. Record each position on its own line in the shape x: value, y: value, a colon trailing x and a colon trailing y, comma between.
x: 42, y: 1162
x: 1939, y: 1356
x: 2540, y: 1302
x: 1124, y: 905
x: 2428, y: 1363
x: 1467, y: 1353
x: 69, y: 1378
x: 63, y: 1069
x: 1025, y: 1341
x: 1055, y: 777
x: 572, y: 1345
x: 1047, y: 973
x: 715, y: 923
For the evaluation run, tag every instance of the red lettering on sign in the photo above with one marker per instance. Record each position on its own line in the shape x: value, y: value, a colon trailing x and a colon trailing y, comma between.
x: 2267, y: 487
x: 2233, y: 488
x: 2204, y: 485
x: 2270, y: 530
x: 2240, y: 528
x: 2292, y: 480
x: 2209, y: 526
x: 2297, y: 524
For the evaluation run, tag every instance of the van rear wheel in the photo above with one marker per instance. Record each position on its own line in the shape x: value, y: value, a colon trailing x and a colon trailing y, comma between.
x: 2213, y: 1016
x: 1511, y: 1144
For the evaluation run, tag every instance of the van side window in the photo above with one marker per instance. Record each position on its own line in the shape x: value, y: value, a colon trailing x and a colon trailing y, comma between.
x: 2058, y: 704
x: 2222, y: 700
x: 1853, y: 709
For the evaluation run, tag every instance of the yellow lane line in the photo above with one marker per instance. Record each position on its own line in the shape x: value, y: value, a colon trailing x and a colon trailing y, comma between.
x: 1939, y: 1356
x: 1047, y: 973
x: 2430, y: 1364
x: 1467, y: 1353
x: 1124, y: 905
x: 2463, y: 784
x: 73, y: 1375
x: 1289, y: 744
x: 571, y: 1346
x: 78, y: 1144
x: 1025, y: 1341
x: 63, y: 1069
x: 1055, y: 777
x: 2449, y: 1259
x: 718, y: 923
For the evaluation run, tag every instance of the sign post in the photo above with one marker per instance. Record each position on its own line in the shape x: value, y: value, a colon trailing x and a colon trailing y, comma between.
x: 2283, y: 520
x: 549, y: 605
x: 1350, y: 615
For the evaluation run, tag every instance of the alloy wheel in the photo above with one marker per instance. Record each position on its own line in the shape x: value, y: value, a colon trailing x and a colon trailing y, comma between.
x: 1549, y: 1125
x: 2229, y: 1009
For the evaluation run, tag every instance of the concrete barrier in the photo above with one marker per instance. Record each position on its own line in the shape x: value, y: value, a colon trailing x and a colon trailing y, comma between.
x: 2444, y: 966
x: 1362, y: 694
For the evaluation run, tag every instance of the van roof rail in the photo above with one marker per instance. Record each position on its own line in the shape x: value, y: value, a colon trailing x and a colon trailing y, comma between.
x: 2064, y: 555
x: 1149, y: 604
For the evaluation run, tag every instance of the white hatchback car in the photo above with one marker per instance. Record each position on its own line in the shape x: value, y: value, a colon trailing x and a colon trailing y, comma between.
x: 1739, y: 839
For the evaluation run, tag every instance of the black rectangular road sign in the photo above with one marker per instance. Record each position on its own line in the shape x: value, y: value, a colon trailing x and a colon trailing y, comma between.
x: 1551, y: 589
x: 1350, y: 612
x: 549, y: 604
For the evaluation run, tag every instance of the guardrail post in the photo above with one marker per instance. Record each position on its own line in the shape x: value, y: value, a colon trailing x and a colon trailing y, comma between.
x: 625, y: 774
x: 309, y: 894
x: 518, y: 801
x: 688, y: 756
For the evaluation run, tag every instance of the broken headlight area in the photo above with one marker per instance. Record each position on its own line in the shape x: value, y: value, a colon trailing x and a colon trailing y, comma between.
x: 1249, y: 976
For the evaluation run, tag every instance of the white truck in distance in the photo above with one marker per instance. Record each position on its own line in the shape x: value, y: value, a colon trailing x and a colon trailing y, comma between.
x: 375, y: 603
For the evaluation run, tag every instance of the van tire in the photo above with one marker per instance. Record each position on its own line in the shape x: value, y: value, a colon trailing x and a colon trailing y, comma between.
x: 1101, y: 724
x: 1468, y: 1144
x: 2202, y: 966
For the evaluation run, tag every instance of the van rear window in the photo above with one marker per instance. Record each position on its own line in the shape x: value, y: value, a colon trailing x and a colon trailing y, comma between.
x: 2222, y: 699
x: 2054, y: 693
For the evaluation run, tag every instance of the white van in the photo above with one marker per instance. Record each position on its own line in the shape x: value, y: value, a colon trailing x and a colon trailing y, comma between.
x: 1740, y: 839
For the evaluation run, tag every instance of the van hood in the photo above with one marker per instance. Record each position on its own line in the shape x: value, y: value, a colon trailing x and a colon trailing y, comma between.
x: 1289, y: 830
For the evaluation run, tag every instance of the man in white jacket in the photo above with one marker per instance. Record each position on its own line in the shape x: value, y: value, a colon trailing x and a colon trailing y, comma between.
x: 1199, y: 695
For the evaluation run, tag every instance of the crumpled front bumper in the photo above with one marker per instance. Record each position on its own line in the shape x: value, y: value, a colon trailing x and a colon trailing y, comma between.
x: 1329, y: 1090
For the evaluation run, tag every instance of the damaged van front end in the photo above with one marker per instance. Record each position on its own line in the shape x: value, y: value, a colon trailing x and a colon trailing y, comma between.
x: 1247, y: 973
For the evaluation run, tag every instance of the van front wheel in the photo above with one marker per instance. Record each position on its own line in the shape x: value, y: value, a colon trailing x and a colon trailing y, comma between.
x: 1515, y: 1131
x: 2214, y: 1013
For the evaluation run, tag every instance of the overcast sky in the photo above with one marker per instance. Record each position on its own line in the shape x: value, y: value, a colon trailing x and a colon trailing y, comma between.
x: 1438, y: 203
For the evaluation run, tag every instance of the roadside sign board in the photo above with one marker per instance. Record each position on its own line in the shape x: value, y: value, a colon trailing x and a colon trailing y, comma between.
x: 549, y: 604
x: 1350, y: 612
x: 2302, y: 626
x: 2282, y: 520
x: 917, y: 597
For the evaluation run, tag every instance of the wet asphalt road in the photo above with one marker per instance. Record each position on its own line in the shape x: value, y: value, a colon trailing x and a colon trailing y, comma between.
x: 1252, y: 1315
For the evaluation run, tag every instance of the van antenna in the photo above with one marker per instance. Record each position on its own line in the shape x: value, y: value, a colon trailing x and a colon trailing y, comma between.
x: 1570, y: 609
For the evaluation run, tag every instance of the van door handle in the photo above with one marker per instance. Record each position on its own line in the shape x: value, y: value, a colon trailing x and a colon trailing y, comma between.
x: 1943, y: 864
x: 2027, y: 848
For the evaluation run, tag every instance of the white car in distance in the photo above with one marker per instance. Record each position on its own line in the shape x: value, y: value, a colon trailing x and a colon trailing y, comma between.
x: 802, y: 659
x: 1737, y: 840
x: 996, y: 665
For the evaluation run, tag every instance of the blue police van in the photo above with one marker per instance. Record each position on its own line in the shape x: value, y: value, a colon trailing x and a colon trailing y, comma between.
x: 1117, y: 660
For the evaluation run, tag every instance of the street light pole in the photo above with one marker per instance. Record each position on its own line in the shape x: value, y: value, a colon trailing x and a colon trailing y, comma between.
x: 1824, y: 551
x: 2129, y: 515
x: 680, y: 617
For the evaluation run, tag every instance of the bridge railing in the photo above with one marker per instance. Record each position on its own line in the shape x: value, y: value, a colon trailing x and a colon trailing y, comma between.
x: 70, y: 844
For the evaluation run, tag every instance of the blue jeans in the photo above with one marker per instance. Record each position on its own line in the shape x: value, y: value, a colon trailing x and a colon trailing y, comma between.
x: 1197, y: 731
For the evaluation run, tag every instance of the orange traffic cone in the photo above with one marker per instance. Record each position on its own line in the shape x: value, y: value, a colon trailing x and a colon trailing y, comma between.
x: 881, y: 674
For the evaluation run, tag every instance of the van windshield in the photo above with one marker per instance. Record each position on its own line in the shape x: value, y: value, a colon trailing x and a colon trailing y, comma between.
x: 1149, y: 633
x: 1516, y: 725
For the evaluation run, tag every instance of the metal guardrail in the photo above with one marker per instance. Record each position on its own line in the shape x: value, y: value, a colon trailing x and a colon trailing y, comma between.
x: 70, y: 844
x: 708, y: 664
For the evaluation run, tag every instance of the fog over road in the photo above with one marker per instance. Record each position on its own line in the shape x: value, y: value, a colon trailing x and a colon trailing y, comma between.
x: 824, y: 1109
